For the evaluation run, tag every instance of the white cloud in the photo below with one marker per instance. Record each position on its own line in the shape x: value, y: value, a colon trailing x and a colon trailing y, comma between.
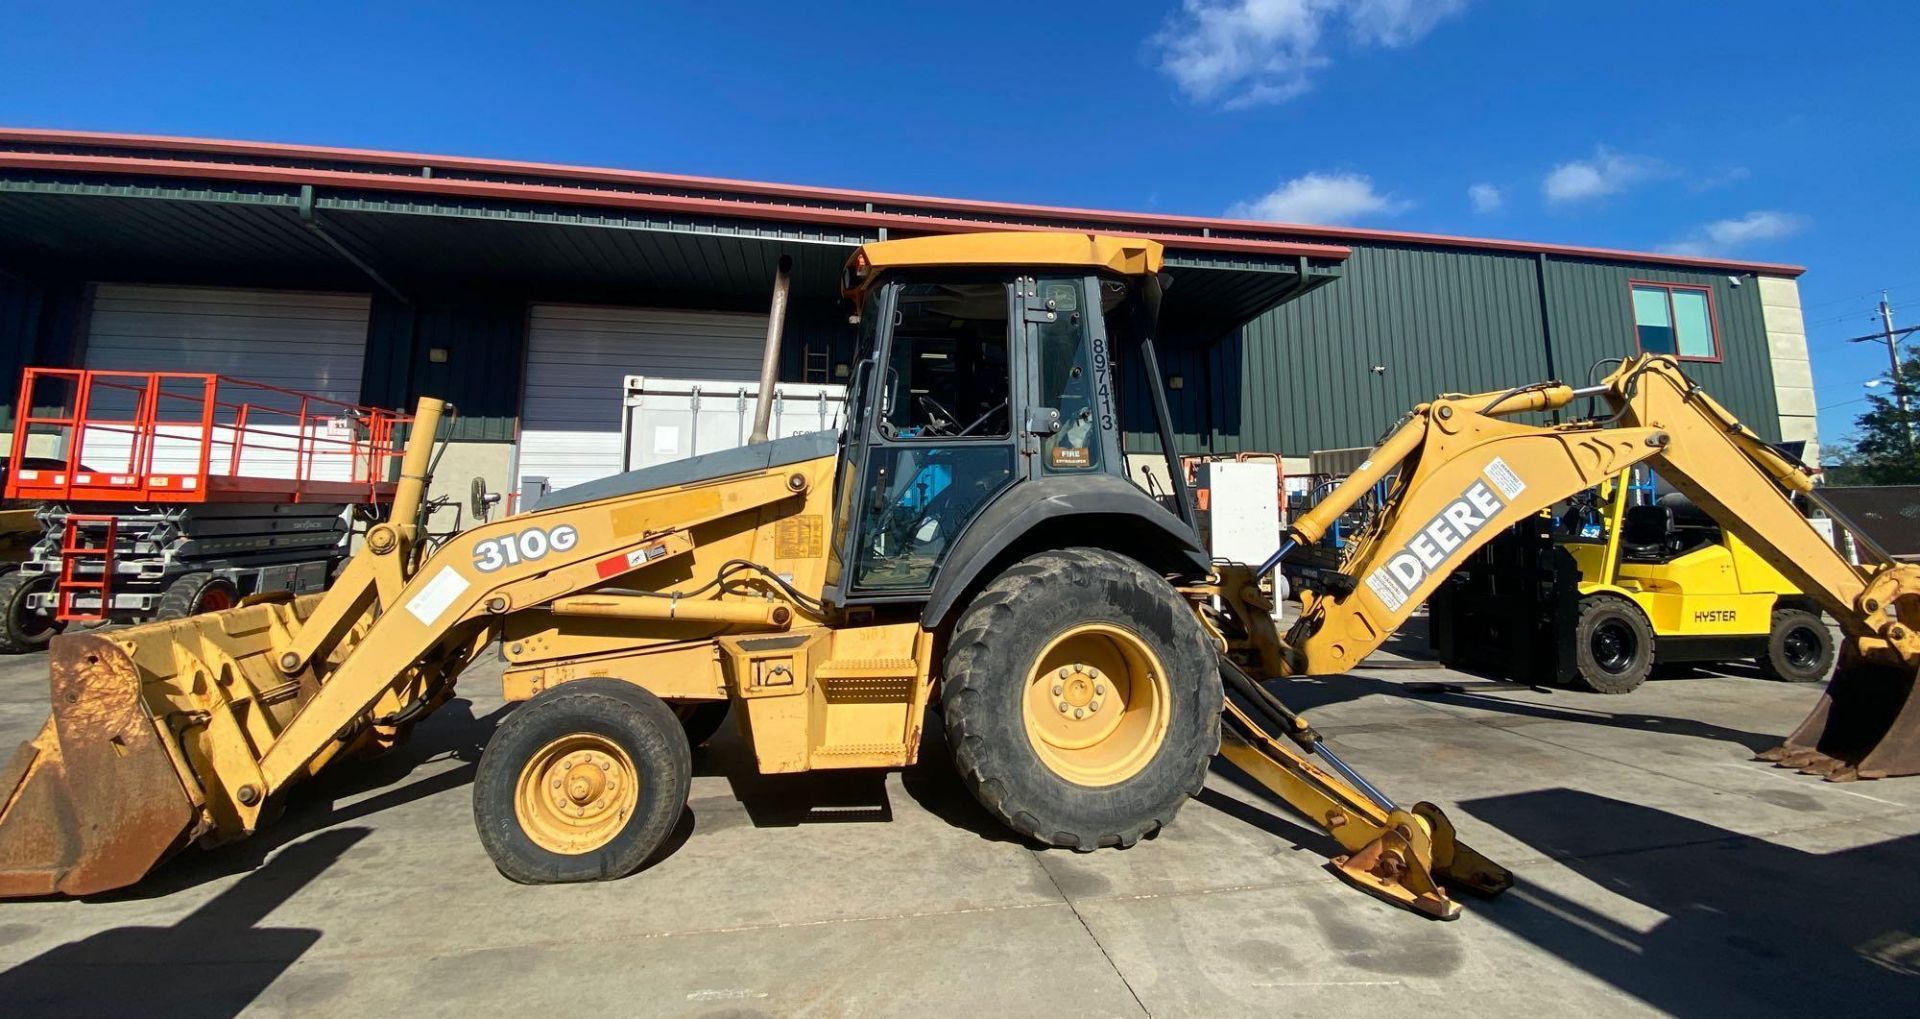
x: 1248, y: 52
x: 1733, y: 175
x: 1724, y: 235
x: 1485, y: 198
x: 1607, y: 173
x: 1398, y: 22
x: 1324, y: 198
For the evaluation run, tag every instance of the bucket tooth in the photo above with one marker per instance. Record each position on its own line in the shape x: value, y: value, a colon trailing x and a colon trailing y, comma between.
x: 1866, y: 725
x: 94, y: 801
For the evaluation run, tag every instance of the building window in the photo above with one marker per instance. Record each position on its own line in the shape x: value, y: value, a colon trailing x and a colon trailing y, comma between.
x: 1677, y: 320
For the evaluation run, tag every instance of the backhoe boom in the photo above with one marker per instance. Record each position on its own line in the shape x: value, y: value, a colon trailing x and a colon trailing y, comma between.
x: 1462, y: 471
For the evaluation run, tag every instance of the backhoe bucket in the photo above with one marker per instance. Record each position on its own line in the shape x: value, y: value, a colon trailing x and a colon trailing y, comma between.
x: 1867, y: 725
x: 94, y: 802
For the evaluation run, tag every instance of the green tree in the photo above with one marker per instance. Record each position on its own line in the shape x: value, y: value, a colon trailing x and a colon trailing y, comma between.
x: 1885, y: 449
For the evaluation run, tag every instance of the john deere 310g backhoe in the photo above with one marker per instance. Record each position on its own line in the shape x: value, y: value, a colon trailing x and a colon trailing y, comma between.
x: 968, y: 538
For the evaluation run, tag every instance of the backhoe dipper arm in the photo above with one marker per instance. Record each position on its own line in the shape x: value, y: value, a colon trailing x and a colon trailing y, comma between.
x: 1747, y: 487
x: 1867, y: 722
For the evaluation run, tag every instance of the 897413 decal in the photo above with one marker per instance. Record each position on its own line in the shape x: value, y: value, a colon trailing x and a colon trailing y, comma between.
x: 524, y: 547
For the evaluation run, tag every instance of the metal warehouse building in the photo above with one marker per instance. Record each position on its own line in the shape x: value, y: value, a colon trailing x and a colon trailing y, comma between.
x: 525, y: 292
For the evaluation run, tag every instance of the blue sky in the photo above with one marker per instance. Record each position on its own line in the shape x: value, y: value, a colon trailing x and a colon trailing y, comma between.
x: 1751, y: 128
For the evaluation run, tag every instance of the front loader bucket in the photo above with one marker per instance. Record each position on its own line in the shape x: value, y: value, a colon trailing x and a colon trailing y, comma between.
x: 93, y: 802
x: 1867, y: 725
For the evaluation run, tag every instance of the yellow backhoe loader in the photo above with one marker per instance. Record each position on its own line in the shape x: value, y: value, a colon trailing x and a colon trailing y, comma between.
x: 969, y: 537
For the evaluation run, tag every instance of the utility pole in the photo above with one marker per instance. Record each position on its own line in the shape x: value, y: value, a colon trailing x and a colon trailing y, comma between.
x: 1893, y: 362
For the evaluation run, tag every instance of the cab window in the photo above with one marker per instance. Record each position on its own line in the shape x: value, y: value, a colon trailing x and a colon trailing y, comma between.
x: 947, y: 375
x: 1068, y: 378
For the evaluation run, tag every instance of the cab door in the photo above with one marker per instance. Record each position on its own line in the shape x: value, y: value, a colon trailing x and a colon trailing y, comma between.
x: 1072, y: 421
x: 935, y: 438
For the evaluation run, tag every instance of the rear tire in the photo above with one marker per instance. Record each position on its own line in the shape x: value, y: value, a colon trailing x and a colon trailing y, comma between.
x: 196, y: 593
x: 22, y: 631
x: 1613, y: 645
x: 584, y: 782
x: 1799, y: 647
x: 1141, y: 688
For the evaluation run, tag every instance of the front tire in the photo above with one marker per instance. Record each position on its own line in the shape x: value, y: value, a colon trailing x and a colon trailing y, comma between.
x: 1082, y: 700
x: 584, y: 782
x: 1613, y: 645
x: 1799, y: 648
x: 22, y: 630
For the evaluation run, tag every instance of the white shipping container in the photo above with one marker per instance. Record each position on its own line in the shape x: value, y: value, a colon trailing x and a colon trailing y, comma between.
x: 669, y: 419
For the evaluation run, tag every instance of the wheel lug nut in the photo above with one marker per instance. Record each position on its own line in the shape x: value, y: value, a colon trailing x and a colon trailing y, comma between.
x: 1063, y: 673
x: 1099, y: 688
x: 1058, y: 689
x: 1079, y: 713
x: 1063, y: 707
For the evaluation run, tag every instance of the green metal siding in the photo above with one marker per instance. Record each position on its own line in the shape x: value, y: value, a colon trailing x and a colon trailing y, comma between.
x: 1592, y: 318
x: 485, y: 340
x: 1299, y: 378
x: 1438, y: 321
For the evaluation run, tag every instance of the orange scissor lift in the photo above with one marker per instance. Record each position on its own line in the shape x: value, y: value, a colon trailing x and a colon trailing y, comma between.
x: 163, y: 494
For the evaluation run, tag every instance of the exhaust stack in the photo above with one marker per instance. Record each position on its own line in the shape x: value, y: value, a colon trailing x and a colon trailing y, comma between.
x: 770, y: 364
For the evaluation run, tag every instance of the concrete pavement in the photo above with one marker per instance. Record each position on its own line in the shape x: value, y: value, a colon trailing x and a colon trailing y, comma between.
x: 1659, y: 870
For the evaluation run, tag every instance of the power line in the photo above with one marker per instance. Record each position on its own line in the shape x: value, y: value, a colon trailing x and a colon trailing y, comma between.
x: 1855, y: 297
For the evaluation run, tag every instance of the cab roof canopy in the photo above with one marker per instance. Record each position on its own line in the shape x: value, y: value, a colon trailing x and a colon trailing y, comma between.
x: 1125, y: 256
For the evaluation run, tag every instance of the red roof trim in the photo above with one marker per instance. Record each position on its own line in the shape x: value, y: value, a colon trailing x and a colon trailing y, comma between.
x: 446, y: 186
x: 1165, y: 228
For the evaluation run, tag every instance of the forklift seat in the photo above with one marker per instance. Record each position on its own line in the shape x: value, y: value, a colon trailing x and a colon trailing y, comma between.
x: 1646, y: 534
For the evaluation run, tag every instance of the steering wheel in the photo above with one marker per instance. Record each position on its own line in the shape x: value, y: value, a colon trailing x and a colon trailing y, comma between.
x: 938, y: 416
x: 982, y: 419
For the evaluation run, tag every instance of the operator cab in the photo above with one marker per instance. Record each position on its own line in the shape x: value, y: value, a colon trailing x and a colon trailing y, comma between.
x: 981, y: 363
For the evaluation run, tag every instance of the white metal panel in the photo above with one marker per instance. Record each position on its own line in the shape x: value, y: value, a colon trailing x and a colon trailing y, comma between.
x: 1243, y: 509
x: 577, y: 356
x: 669, y: 419
x: 304, y: 341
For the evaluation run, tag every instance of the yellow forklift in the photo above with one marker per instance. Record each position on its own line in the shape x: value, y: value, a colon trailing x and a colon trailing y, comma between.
x: 1661, y: 584
x: 1623, y: 583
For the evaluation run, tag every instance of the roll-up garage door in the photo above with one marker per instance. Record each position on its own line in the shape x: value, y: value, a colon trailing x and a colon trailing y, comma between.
x: 304, y: 341
x: 578, y: 358
x: 308, y: 342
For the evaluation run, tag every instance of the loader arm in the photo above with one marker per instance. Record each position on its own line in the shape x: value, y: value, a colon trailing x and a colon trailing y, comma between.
x: 191, y: 730
x: 1461, y: 472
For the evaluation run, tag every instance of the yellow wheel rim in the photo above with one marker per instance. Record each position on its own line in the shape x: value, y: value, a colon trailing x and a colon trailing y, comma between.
x: 576, y: 793
x: 1096, y: 705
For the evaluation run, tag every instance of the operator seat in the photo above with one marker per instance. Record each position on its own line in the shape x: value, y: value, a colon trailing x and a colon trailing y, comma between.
x: 1692, y: 527
x: 1646, y: 534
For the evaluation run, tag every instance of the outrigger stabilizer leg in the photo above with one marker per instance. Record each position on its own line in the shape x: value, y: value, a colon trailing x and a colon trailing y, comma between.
x: 1405, y: 857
